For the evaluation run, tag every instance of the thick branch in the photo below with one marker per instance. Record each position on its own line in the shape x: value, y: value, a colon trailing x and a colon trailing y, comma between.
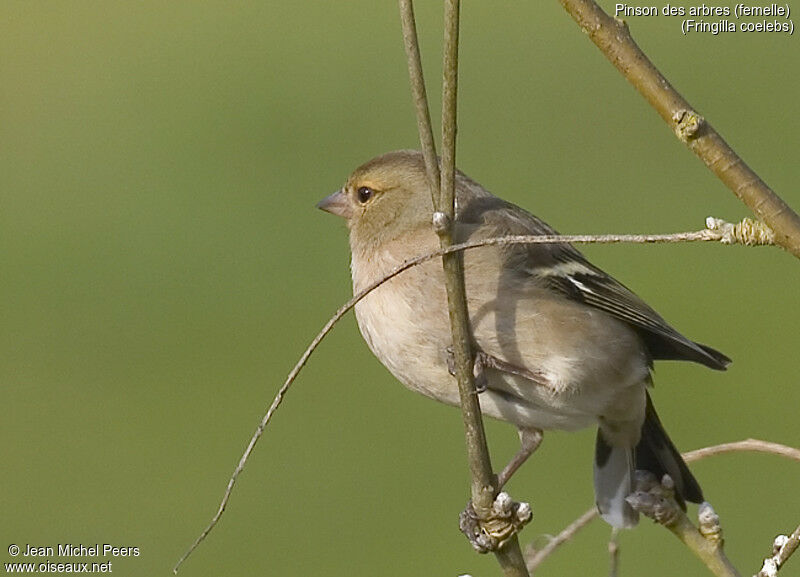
x: 709, y: 551
x: 656, y: 499
x: 613, y: 38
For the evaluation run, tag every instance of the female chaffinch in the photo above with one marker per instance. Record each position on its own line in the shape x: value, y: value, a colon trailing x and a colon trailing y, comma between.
x: 559, y: 343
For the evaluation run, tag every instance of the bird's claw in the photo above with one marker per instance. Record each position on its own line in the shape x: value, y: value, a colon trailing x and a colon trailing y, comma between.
x: 450, y: 356
x: 494, y: 527
x: 655, y: 498
x: 478, y: 367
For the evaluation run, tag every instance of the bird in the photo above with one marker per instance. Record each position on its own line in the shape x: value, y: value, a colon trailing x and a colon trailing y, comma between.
x: 559, y: 344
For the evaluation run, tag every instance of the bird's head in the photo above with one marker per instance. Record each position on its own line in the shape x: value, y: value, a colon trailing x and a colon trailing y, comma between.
x: 384, y: 199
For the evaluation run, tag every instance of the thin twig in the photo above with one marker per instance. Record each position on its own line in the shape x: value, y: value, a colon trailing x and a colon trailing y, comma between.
x: 483, y: 479
x: 750, y: 445
x: 419, y: 95
x: 783, y: 548
x: 613, y: 553
x: 443, y: 195
x: 264, y: 421
x: 613, y: 38
x: 536, y: 556
x: 704, y: 235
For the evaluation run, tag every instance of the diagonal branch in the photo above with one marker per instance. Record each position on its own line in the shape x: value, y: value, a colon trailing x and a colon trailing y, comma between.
x: 535, y: 557
x: 656, y: 499
x: 613, y: 38
x: 782, y: 548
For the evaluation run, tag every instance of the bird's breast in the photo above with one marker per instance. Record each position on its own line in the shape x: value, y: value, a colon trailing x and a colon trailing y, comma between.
x: 405, y: 324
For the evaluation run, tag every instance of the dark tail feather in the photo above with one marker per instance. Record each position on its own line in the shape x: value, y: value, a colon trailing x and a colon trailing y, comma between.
x: 656, y: 453
x: 681, y: 349
x: 722, y: 361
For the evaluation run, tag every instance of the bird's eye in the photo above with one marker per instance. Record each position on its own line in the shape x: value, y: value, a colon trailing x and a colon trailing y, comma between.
x: 364, y: 194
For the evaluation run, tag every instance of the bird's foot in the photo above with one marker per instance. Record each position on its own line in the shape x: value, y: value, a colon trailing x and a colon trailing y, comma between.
x: 655, y: 498
x: 490, y: 529
x: 478, y: 366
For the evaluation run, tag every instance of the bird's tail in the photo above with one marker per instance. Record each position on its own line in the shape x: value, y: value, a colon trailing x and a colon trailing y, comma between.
x: 656, y: 453
x: 614, y: 470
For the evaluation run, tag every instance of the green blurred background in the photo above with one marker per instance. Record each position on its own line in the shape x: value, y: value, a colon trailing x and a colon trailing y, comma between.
x: 163, y: 266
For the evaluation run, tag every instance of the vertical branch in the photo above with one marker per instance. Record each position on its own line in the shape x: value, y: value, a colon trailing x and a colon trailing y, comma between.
x: 449, y: 107
x: 419, y: 95
x: 443, y: 194
x: 483, y: 491
x: 614, y: 40
x: 613, y: 553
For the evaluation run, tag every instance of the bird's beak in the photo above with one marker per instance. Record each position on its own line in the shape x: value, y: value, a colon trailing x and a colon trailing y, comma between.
x: 336, y: 204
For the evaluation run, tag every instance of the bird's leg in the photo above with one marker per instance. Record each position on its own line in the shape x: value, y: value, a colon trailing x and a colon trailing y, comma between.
x: 490, y: 362
x: 490, y: 530
x: 529, y: 440
x: 479, y: 372
x: 485, y: 361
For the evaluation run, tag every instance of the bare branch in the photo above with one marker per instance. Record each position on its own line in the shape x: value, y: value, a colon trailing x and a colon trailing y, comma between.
x: 747, y: 445
x: 782, y: 548
x: 483, y: 479
x: 419, y: 95
x: 613, y: 38
x: 535, y: 557
x: 265, y: 421
x: 613, y: 553
x: 484, y: 488
x: 656, y: 499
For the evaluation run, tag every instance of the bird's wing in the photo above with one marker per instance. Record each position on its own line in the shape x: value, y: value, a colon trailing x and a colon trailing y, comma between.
x: 561, y: 268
